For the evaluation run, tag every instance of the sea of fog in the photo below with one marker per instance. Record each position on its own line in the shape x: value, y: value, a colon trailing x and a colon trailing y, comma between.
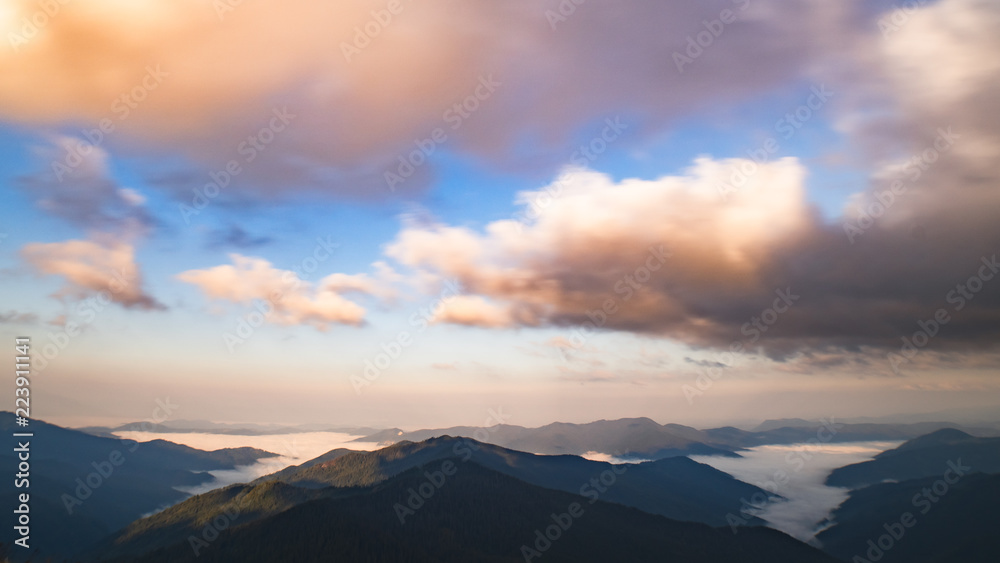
x: 797, y: 472
x: 292, y: 449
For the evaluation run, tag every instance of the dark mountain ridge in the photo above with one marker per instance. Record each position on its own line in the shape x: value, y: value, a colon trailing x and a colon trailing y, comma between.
x: 82, y: 487
x: 677, y: 487
x: 925, y: 456
x: 474, y: 514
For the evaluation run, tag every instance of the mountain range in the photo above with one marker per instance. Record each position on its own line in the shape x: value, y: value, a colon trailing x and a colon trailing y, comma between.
x: 83, y: 487
x: 444, y: 498
x: 678, y: 487
x: 456, y: 499
x: 925, y: 456
x: 933, y: 499
x: 912, y: 522
x: 209, y: 427
x: 643, y: 438
x: 476, y: 514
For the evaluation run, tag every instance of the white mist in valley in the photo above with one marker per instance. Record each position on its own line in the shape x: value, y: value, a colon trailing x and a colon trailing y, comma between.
x: 804, y: 511
x: 609, y: 458
x: 809, y: 502
x: 292, y: 449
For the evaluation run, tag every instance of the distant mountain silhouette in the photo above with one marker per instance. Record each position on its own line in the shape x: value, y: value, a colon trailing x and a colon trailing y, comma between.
x: 831, y: 432
x: 643, y: 438
x: 774, y: 424
x: 925, y: 456
x: 206, y: 426
x: 475, y: 514
x: 83, y: 487
x: 629, y: 438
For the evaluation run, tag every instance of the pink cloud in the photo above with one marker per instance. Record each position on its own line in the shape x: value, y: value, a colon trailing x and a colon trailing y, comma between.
x: 92, y: 268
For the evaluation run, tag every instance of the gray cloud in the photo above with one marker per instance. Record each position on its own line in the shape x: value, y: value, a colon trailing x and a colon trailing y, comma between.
x: 77, y: 186
x: 236, y: 237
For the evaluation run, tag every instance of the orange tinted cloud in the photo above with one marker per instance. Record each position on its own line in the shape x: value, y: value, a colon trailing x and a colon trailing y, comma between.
x: 680, y: 258
x: 90, y: 267
x: 365, y: 85
x: 595, y: 236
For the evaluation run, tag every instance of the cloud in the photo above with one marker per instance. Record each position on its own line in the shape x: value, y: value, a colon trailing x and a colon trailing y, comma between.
x: 672, y: 257
x: 473, y: 311
x: 379, y: 286
x: 184, y: 78
x: 13, y: 317
x: 358, y: 115
x: 937, y: 74
x: 294, y: 302
x: 587, y: 245
x: 354, y: 119
x: 236, y: 236
x: 90, y: 267
x: 559, y: 342
x: 904, y: 73
x: 77, y: 186
x: 706, y: 363
x: 596, y: 376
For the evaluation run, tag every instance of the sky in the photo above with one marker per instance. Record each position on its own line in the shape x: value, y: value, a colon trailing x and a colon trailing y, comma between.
x: 411, y: 214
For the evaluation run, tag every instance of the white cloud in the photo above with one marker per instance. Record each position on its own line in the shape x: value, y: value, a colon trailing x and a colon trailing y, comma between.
x: 295, y: 302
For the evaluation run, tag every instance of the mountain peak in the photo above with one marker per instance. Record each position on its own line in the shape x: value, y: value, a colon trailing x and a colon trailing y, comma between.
x: 940, y: 437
